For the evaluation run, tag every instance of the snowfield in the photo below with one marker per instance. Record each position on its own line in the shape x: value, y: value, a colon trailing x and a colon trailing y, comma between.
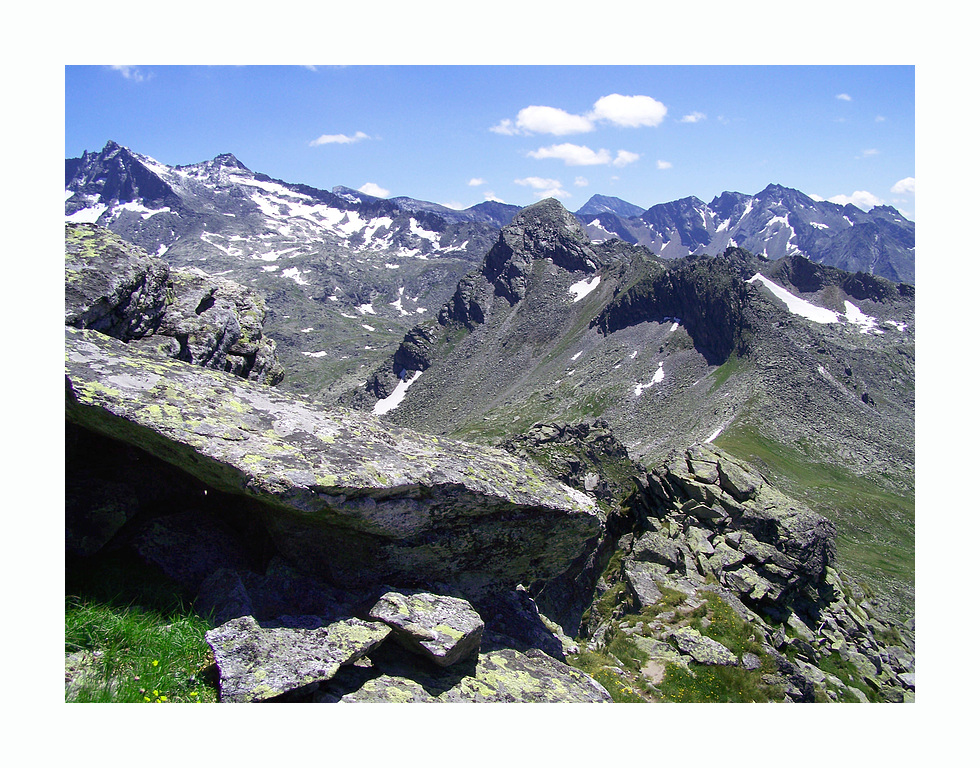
x: 852, y: 312
x: 395, y: 398
x: 583, y: 288
x: 795, y: 304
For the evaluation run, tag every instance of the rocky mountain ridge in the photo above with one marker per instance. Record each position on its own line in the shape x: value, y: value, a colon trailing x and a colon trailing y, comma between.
x: 776, y: 222
x: 811, y: 375
x: 604, y: 323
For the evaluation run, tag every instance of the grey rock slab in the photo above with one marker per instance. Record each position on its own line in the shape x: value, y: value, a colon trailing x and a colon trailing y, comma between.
x: 443, y: 629
x: 354, y: 500
x: 255, y: 663
x: 702, y: 649
x: 643, y: 580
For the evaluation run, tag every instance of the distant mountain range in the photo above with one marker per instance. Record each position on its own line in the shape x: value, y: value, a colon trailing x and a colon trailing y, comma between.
x: 341, y: 270
x: 346, y: 274
x: 156, y: 206
x: 776, y: 222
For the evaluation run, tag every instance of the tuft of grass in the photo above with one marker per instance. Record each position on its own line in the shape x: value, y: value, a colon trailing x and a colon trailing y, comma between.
x: 131, y: 637
x: 601, y: 667
x: 711, y: 684
x: 134, y: 655
x: 729, y: 629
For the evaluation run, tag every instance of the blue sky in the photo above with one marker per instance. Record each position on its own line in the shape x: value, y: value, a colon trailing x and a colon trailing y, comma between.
x: 459, y: 135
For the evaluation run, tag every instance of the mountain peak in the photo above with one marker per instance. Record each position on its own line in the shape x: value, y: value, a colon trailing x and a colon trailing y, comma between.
x: 604, y: 204
x: 228, y: 160
x: 547, y: 214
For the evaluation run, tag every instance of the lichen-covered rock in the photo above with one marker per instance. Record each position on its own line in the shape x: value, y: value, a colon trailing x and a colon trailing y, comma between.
x: 703, y: 649
x: 255, y: 663
x: 767, y: 547
x: 111, y: 285
x: 441, y: 628
x: 218, y: 324
x: 116, y: 288
x: 503, y: 676
x: 356, y: 502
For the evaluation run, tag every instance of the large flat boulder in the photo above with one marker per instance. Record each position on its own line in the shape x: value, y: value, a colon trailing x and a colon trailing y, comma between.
x: 350, y: 499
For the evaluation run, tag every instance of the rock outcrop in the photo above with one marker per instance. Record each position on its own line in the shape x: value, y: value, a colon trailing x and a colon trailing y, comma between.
x: 708, y: 296
x: 709, y: 525
x: 351, y: 500
x: 118, y: 289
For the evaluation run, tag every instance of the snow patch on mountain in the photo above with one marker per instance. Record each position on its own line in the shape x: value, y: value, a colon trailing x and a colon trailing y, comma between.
x: 658, y: 376
x: 855, y: 316
x: 294, y: 274
x: 583, y: 288
x: 87, y: 215
x: 795, y: 304
x: 395, y: 398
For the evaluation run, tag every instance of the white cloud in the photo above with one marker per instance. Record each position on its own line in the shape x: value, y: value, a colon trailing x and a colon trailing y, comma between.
x: 576, y: 154
x: 572, y: 154
x: 625, y: 158
x: 694, y: 117
x: 904, y: 187
x: 543, y: 187
x: 623, y: 111
x: 629, y: 111
x: 130, y: 73
x: 862, y: 199
x: 374, y: 190
x: 454, y: 205
x: 491, y: 197
x: 558, y: 122
x: 843, y: 97
x: 339, y: 138
x: 581, y: 181
x: 476, y: 182
x: 663, y: 165
x: 869, y: 153
x: 880, y: 118
x: 505, y: 128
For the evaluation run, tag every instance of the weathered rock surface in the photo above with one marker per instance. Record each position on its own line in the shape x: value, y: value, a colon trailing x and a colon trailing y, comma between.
x: 702, y: 649
x: 502, y: 676
x: 710, y: 514
x: 442, y: 629
x: 349, y: 499
x: 255, y: 664
x: 115, y: 287
x: 111, y: 285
